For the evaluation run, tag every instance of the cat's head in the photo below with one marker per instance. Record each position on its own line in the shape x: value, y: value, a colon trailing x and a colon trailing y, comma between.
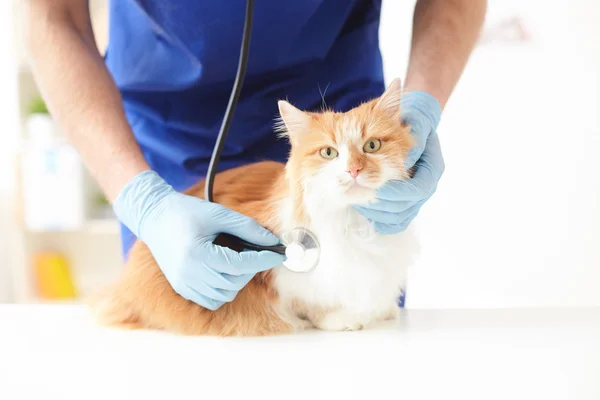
x: 347, y: 156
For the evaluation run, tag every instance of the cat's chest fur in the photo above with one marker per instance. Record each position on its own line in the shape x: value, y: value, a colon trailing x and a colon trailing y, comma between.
x: 359, y: 270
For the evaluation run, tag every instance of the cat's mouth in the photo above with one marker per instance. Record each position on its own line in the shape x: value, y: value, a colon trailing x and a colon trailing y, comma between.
x: 354, y: 184
x: 349, y: 184
x: 357, y: 192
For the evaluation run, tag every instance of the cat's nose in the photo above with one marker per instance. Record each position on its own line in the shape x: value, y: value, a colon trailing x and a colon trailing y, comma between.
x: 354, y: 171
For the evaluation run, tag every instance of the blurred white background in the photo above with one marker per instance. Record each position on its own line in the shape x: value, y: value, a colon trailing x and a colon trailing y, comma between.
x: 516, y: 219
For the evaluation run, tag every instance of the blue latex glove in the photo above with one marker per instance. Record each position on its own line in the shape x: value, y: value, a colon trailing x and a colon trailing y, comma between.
x: 399, y: 202
x: 179, y: 231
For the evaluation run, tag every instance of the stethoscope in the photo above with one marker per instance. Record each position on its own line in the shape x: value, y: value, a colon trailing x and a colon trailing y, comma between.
x: 299, y: 245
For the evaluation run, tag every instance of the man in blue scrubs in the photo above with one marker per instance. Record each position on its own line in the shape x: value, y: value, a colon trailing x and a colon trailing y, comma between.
x: 145, y: 117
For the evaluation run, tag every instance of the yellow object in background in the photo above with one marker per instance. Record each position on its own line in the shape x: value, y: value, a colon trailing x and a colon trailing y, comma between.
x: 53, y: 276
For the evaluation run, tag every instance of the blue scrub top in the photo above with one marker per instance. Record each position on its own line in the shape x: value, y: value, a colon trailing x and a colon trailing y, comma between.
x: 174, y: 63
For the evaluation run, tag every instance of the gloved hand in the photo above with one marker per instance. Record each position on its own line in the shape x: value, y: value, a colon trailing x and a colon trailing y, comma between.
x: 399, y: 202
x: 179, y: 231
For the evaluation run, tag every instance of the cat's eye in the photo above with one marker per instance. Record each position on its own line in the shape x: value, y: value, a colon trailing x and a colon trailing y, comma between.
x: 328, y: 152
x: 372, y: 146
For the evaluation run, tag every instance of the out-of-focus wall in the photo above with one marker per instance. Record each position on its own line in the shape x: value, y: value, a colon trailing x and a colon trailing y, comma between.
x: 516, y: 219
x: 9, y: 121
x: 19, y: 244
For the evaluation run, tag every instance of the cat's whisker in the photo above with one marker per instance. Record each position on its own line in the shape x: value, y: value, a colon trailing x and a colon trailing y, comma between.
x: 323, y: 104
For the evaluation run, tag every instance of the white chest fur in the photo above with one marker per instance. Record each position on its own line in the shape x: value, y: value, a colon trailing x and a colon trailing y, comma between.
x: 360, y: 273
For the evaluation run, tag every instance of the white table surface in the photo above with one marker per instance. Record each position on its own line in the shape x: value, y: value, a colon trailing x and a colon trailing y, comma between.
x: 57, y: 352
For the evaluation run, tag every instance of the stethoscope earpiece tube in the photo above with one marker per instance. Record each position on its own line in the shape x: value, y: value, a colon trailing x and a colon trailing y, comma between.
x: 224, y: 239
x: 300, y: 246
x: 233, y: 99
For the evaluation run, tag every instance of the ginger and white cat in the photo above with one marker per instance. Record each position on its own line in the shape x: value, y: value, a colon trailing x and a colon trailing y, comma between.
x: 336, y: 160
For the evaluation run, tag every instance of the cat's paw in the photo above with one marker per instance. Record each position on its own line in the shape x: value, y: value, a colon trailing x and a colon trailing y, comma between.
x: 340, y: 321
x: 392, y: 314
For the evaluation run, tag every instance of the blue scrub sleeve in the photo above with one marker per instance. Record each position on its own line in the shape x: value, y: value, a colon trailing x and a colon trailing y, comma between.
x: 127, y: 241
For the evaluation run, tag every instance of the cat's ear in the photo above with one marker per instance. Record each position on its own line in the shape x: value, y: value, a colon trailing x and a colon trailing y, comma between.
x: 292, y: 120
x: 389, y: 102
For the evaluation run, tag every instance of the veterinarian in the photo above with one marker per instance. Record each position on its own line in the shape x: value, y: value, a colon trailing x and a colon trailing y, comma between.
x: 145, y: 117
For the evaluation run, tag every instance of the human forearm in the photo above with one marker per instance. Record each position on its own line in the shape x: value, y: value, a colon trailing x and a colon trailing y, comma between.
x: 80, y: 92
x: 444, y: 33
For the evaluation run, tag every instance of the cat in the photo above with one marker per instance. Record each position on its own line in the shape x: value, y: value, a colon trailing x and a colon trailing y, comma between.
x: 336, y: 160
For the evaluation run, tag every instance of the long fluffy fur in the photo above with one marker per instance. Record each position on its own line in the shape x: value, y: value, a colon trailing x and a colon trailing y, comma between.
x: 143, y: 298
x: 274, y: 195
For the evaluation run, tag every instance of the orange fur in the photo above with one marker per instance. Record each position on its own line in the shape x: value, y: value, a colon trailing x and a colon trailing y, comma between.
x: 143, y: 298
x: 310, y: 132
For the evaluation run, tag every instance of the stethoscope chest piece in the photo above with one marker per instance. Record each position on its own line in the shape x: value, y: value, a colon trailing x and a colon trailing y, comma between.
x: 302, y: 250
x: 300, y: 246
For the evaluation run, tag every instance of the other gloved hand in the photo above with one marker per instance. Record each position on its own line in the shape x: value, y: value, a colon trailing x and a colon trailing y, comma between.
x: 399, y: 202
x: 179, y: 231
